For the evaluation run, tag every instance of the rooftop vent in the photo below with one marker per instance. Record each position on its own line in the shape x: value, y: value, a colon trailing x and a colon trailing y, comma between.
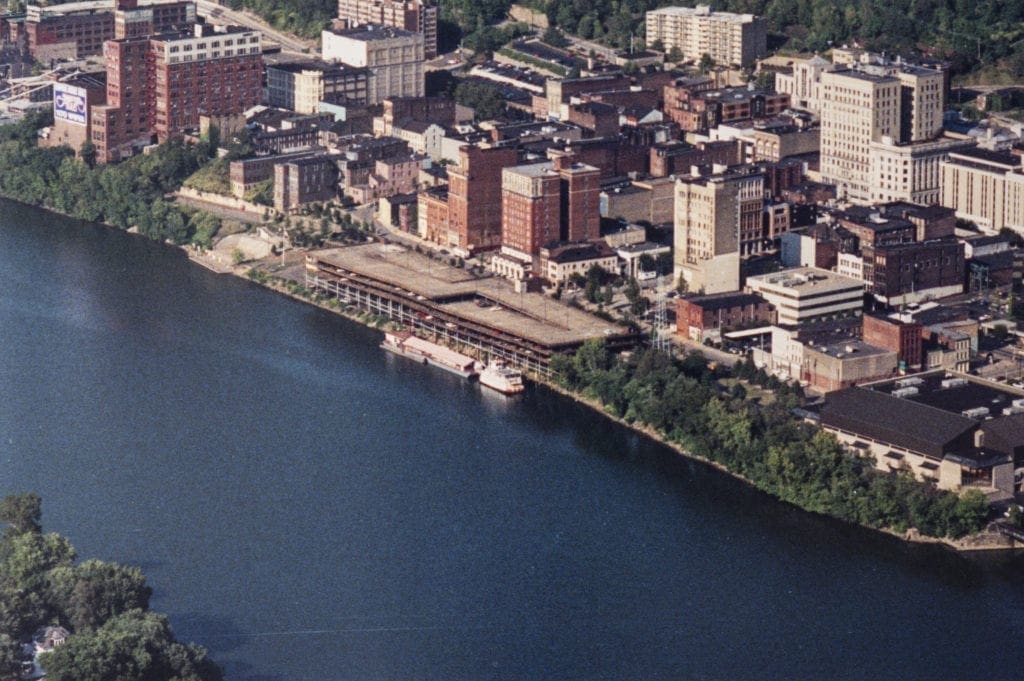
x: 976, y: 413
x: 954, y: 382
x: 907, y: 382
x: 907, y: 392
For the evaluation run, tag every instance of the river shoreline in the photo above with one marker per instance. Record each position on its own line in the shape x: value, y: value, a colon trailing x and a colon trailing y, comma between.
x: 985, y: 541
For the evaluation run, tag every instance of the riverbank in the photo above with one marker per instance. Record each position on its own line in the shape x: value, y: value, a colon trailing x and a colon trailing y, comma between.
x: 268, y: 273
x: 987, y: 540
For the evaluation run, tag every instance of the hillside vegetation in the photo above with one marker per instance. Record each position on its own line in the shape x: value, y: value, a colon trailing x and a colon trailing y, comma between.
x: 959, y: 30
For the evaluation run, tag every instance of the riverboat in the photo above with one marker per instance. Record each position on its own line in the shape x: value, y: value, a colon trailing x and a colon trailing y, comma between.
x: 425, y: 352
x: 501, y: 377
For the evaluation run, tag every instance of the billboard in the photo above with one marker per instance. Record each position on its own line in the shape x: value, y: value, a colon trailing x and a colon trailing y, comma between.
x: 69, y: 104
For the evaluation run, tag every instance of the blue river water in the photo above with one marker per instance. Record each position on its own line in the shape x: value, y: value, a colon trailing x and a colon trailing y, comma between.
x: 308, y: 506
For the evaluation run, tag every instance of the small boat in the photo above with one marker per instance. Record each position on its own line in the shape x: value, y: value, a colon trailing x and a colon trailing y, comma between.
x: 501, y: 377
x: 415, y: 348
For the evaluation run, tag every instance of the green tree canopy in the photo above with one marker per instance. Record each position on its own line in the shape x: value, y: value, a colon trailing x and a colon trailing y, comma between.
x: 134, y: 646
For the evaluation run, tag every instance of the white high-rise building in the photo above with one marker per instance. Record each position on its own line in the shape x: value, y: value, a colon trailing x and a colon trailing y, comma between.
x: 730, y: 39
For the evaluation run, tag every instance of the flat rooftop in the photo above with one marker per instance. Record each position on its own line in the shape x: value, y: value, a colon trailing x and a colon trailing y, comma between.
x: 535, y: 317
x: 803, y: 281
x: 849, y: 349
x: 952, y: 392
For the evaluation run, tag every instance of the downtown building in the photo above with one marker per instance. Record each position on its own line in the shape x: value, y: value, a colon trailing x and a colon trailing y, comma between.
x: 159, y: 85
x: 718, y: 218
x: 301, y: 86
x: 543, y: 204
x: 881, y: 127
x: 985, y: 187
x: 76, y: 30
x: 393, y: 56
x: 417, y: 16
x: 730, y: 39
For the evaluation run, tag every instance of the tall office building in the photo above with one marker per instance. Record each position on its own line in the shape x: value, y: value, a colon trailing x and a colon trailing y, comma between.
x: 730, y: 39
x: 717, y: 218
x: 417, y: 16
x: 872, y: 118
x: 394, y: 57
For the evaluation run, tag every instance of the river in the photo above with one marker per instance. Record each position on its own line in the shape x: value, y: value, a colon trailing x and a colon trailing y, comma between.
x: 308, y: 506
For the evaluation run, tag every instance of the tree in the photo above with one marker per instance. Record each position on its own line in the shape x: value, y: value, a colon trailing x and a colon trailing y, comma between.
x: 22, y: 513
x: 706, y: 63
x: 657, y: 45
x: 88, y: 153
x: 485, y: 99
x: 135, y: 646
x: 94, y: 592
x: 554, y: 37
x: 675, y: 55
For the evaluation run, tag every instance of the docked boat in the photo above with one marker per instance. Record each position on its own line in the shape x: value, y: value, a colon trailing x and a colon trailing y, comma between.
x: 423, y: 351
x: 501, y: 377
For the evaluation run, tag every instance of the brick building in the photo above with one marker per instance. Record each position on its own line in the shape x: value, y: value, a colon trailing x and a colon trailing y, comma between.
x: 676, y: 158
x: 475, y: 197
x: 432, y: 215
x: 76, y: 30
x: 547, y: 202
x: 600, y: 119
x: 73, y: 101
x: 701, y: 317
x: 305, y: 180
x: 159, y: 86
x: 897, y: 274
x: 902, y: 337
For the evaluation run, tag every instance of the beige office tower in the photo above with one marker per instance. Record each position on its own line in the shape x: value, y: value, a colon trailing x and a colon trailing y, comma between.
x: 716, y: 218
x: 879, y: 126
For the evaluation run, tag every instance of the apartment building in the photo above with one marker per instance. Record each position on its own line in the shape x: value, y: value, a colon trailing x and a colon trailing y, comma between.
x: 394, y: 56
x: 717, y: 219
x: 730, y: 39
x: 417, y: 16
